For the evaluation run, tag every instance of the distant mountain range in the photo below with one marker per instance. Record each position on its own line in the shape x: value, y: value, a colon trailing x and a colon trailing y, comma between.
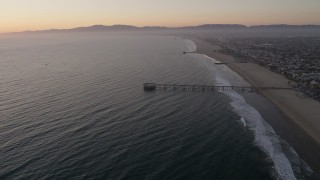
x: 280, y: 26
x: 102, y: 28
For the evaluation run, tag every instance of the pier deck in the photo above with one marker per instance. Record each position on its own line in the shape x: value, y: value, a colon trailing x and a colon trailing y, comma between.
x: 154, y: 86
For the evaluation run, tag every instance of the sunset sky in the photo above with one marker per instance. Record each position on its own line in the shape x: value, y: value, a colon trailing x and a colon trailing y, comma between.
x: 20, y: 15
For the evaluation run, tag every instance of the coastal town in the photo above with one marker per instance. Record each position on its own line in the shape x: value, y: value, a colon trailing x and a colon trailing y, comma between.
x: 297, y: 58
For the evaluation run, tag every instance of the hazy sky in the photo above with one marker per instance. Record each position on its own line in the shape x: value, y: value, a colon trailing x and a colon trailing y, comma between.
x: 17, y: 15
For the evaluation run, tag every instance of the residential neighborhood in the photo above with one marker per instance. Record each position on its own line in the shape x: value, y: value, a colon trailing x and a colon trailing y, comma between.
x: 297, y: 58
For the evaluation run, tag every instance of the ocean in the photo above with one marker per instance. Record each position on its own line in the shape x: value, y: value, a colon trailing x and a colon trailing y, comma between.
x: 72, y: 106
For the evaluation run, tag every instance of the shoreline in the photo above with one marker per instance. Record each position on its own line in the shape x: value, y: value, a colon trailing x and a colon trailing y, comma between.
x: 301, y: 114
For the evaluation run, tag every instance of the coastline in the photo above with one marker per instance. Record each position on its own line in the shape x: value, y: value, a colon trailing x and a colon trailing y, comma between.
x: 302, y: 117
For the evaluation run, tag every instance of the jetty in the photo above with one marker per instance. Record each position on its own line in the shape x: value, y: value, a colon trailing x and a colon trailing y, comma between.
x: 173, y: 87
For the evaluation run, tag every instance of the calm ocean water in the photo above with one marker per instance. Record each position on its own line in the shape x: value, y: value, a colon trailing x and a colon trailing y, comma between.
x: 73, y: 107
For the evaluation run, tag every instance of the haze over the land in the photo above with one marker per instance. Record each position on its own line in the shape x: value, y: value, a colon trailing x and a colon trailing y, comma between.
x: 46, y: 14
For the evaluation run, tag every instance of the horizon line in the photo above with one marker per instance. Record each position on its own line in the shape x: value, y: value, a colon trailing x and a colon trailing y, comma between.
x: 159, y: 26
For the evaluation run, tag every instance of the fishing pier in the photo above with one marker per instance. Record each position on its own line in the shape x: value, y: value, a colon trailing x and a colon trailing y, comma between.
x: 173, y: 87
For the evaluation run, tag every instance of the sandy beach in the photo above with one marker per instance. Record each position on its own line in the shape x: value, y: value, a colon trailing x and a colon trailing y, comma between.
x: 302, y: 113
